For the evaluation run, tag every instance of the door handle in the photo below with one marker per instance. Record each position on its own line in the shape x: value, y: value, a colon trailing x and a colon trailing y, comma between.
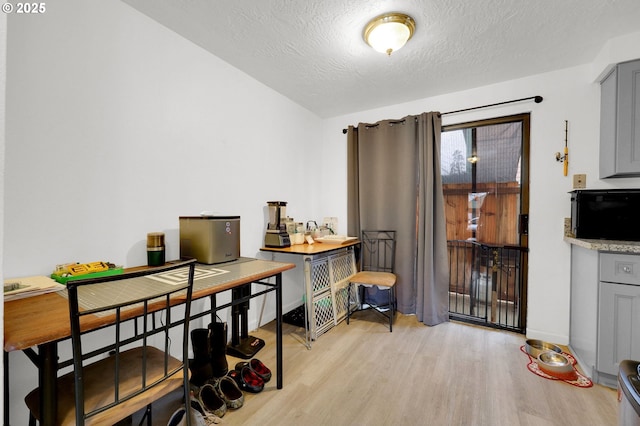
x: 524, y: 224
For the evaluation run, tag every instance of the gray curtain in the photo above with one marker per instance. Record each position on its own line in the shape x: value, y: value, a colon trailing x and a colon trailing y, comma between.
x: 394, y: 183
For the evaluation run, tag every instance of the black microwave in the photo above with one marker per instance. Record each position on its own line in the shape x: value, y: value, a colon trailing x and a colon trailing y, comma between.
x: 608, y: 214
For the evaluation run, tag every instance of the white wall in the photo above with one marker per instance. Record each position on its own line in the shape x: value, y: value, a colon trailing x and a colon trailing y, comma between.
x: 116, y: 126
x: 569, y: 94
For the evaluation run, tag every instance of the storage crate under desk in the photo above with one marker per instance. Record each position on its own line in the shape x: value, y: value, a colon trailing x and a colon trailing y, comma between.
x: 327, y: 268
x: 326, y: 277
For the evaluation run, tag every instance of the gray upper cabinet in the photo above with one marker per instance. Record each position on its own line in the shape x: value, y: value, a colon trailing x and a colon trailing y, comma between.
x: 620, y: 121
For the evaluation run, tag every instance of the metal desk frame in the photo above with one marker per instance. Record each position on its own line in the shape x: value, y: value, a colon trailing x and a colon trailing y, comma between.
x: 46, y: 358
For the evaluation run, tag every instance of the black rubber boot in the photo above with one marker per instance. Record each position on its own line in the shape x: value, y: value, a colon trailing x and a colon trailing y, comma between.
x: 218, y: 348
x: 200, y: 366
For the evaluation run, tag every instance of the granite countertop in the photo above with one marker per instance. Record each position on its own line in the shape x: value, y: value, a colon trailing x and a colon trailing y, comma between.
x: 631, y: 247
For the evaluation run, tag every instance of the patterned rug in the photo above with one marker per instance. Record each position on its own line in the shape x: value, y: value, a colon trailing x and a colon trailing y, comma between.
x: 581, y: 381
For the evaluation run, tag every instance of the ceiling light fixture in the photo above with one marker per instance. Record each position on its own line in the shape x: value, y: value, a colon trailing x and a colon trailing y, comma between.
x: 389, y: 32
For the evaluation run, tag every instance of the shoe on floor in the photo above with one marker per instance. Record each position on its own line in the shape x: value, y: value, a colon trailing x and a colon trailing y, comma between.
x: 247, y: 379
x: 210, y: 401
x: 230, y: 392
x: 258, y: 367
x: 208, y: 418
x: 179, y: 417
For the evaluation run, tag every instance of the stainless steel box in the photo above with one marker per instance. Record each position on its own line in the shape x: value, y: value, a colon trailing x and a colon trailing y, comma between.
x: 210, y: 239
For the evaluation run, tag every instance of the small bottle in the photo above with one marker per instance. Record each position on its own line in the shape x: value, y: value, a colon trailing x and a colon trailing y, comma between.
x: 155, y: 249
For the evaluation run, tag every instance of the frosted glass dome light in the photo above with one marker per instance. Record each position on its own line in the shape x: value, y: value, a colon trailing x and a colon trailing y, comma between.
x: 389, y: 32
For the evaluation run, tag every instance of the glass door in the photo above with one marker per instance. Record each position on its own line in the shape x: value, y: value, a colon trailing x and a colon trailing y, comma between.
x: 485, y: 182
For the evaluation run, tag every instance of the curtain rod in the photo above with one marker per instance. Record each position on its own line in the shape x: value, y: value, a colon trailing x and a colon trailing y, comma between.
x: 536, y: 99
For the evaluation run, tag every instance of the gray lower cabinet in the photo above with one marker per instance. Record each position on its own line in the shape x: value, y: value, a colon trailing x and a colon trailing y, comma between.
x: 620, y: 121
x: 583, y: 331
x: 605, y: 311
x: 619, y: 327
x: 618, y: 313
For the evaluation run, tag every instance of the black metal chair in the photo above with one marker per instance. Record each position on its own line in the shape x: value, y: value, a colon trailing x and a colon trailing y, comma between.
x: 377, y: 261
x: 137, y: 311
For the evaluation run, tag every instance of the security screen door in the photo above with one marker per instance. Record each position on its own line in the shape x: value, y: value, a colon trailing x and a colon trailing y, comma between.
x: 485, y: 174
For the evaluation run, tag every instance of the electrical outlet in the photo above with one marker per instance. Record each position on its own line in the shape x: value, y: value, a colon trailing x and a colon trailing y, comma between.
x: 579, y: 181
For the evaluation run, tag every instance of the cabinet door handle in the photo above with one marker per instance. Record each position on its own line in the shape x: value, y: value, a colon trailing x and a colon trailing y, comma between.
x: 626, y: 269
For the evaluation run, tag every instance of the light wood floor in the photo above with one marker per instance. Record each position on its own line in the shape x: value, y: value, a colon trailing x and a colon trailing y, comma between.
x: 450, y: 374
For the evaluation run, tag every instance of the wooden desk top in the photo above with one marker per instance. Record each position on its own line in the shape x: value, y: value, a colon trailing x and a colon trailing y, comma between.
x: 310, y: 249
x: 42, y: 319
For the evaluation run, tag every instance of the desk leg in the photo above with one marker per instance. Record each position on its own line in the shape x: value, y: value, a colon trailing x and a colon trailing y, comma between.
x: 245, y: 292
x: 6, y: 388
x: 279, y: 330
x: 235, y: 318
x: 214, y: 304
x: 48, y: 354
x: 309, y: 313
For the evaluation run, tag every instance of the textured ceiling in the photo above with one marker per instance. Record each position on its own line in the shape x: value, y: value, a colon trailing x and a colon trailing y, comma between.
x: 312, y: 51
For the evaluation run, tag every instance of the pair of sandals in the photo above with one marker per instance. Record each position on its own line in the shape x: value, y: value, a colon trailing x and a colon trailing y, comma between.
x: 251, y: 376
x: 216, y: 397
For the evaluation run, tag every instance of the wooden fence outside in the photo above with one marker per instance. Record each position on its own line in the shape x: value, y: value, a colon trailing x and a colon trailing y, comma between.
x: 496, y: 225
x: 497, y: 218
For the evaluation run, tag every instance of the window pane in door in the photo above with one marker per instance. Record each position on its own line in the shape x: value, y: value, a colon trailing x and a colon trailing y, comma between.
x: 481, y: 177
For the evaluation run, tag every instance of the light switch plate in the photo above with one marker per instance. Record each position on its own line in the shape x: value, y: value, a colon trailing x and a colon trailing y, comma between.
x: 579, y: 181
